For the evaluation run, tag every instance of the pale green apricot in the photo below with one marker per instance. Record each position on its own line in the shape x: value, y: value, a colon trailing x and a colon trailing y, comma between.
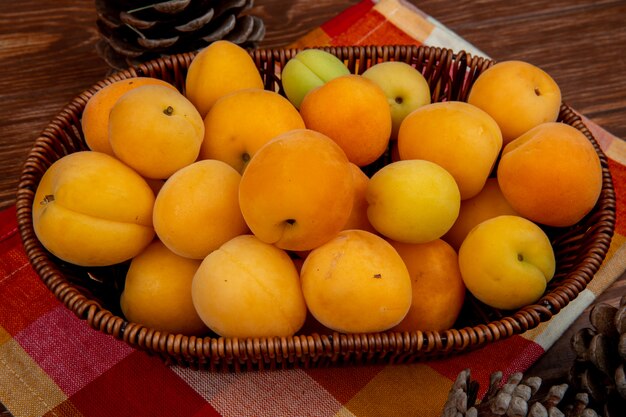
x: 310, y: 69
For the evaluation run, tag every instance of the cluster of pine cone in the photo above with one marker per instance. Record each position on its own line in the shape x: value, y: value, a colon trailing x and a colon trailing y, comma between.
x: 596, y: 384
x: 134, y: 31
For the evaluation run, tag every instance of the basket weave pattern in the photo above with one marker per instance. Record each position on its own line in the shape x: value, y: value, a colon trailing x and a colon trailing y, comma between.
x: 579, y: 249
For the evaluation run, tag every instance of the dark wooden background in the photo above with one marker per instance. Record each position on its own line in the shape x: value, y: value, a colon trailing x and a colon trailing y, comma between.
x: 47, y: 57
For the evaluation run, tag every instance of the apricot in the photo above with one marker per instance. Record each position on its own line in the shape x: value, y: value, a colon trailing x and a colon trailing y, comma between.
x: 551, y: 174
x: 506, y: 262
x: 358, y: 215
x: 459, y: 137
x: 353, y: 111
x: 95, y: 117
x: 405, y: 87
x: 297, y: 191
x: 248, y: 288
x: 155, y: 130
x: 92, y: 210
x: 413, y: 201
x: 356, y: 283
x: 240, y: 123
x: 219, y: 69
x: 197, y: 209
x: 157, y: 291
x: 308, y: 70
x: 490, y: 202
x: 437, y: 286
x: 518, y: 95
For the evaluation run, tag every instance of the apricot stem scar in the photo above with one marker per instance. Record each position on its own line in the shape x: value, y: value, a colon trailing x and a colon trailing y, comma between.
x: 169, y: 110
x: 47, y: 199
x: 245, y: 157
x: 520, y: 257
x: 378, y: 275
x: 290, y: 221
x: 399, y: 100
x: 537, y: 91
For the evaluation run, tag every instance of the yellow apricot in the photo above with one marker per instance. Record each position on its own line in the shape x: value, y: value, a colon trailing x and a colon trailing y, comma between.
x: 356, y: 283
x: 241, y: 122
x: 197, y: 209
x: 95, y: 117
x: 459, y: 137
x: 157, y: 291
x: 219, y: 69
x: 248, y: 288
x: 518, y: 95
x: 155, y: 130
x: 92, y: 210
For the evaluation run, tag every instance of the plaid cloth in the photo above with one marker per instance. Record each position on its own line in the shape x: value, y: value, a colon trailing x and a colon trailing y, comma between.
x: 53, y: 364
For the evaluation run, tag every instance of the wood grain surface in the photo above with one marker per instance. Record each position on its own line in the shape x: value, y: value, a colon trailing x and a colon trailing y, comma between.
x: 47, y: 57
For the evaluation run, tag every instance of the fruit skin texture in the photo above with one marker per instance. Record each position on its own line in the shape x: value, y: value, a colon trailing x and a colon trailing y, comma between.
x: 413, y: 201
x: 241, y: 122
x: 437, y: 286
x: 518, y: 95
x: 197, y: 209
x: 356, y: 283
x: 95, y: 118
x: 297, y: 191
x: 461, y: 138
x: 92, y: 210
x: 506, y: 262
x: 551, y: 175
x: 490, y: 202
x: 219, y: 69
x: 308, y: 70
x: 405, y: 87
x: 157, y: 291
x: 155, y: 130
x: 353, y: 111
x: 248, y: 288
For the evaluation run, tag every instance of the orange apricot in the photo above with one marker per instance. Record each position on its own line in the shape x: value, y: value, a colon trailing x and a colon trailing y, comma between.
x: 354, y: 112
x: 297, y: 191
x: 551, y: 174
x: 490, y: 202
x: 437, y: 286
x: 358, y: 216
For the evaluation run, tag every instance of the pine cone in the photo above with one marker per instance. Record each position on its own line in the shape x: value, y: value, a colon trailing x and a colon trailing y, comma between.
x: 601, y: 358
x: 133, y: 31
x: 518, y: 397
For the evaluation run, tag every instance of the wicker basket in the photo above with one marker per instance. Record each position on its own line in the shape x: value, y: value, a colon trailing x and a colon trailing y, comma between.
x: 92, y: 294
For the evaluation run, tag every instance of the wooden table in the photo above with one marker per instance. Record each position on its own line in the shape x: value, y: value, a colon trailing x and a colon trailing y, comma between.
x: 47, y: 57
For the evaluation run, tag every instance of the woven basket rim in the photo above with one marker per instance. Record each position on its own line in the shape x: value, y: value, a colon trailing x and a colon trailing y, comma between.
x: 211, y: 351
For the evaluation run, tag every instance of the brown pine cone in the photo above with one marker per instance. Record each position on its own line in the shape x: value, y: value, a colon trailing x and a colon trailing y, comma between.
x: 601, y: 358
x: 138, y: 30
x: 518, y: 397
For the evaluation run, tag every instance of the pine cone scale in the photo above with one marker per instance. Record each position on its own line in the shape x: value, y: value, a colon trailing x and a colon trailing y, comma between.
x: 132, y: 32
x: 226, y: 26
x: 197, y: 23
x: 242, y: 32
x: 172, y: 6
x: 132, y: 20
x: 600, y: 361
x: 517, y: 397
